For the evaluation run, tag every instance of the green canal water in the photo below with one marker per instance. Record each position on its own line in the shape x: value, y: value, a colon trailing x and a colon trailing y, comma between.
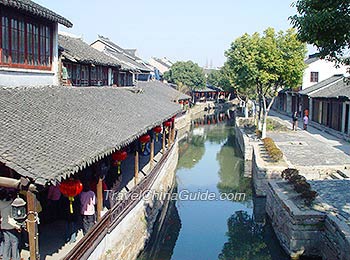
x: 225, y: 222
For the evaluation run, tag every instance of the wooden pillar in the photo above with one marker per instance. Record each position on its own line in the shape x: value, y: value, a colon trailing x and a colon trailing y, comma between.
x: 173, y: 132
x: 343, y: 118
x: 151, y: 155
x: 99, y: 190
x: 163, y: 140
x: 136, y: 171
x: 169, y: 137
x: 32, y: 227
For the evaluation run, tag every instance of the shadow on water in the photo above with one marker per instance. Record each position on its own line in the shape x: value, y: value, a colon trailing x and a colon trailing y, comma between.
x: 221, y: 229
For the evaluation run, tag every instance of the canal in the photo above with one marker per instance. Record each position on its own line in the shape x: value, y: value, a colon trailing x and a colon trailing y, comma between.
x: 215, y: 215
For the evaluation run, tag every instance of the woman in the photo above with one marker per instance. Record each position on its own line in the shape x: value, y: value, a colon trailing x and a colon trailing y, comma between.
x: 295, y: 120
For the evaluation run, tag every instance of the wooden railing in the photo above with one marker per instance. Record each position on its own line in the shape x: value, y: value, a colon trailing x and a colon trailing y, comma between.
x: 84, y: 248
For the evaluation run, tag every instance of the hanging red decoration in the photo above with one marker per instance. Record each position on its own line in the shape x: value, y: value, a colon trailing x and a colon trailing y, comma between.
x: 180, y: 102
x: 157, y: 130
x: 118, y: 157
x: 143, y: 140
x: 71, y: 188
x: 167, y: 123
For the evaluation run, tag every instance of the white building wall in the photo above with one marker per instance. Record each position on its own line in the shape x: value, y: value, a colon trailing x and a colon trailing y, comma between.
x: 159, y: 66
x: 13, y: 77
x: 98, y: 45
x: 325, y: 70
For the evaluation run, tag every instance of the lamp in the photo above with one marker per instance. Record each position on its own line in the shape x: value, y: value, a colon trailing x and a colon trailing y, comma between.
x: 18, y: 209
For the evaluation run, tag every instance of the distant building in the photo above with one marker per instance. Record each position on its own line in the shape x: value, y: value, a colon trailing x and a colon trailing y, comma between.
x: 82, y: 65
x: 161, y: 65
x: 130, y: 63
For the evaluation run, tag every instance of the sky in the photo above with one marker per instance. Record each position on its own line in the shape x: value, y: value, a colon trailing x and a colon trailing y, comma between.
x: 181, y: 30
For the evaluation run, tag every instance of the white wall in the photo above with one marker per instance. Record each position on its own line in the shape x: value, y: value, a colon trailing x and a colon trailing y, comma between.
x: 13, y: 77
x: 325, y: 70
x: 98, y: 45
x: 159, y: 66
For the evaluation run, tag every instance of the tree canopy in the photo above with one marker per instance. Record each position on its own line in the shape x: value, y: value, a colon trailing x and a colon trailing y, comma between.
x: 326, y: 25
x: 261, y: 65
x: 221, y: 79
x: 186, y: 73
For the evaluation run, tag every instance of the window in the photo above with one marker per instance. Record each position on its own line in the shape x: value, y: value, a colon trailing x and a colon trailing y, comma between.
x: 314, y: 77
x: 24, y: 43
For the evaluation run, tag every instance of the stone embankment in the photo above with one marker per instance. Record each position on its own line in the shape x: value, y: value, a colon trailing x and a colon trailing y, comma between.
x: 321, y: 230
x: 318, y: 230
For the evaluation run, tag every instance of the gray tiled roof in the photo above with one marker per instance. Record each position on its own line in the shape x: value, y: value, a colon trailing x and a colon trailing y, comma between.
x: 37, y: 10
x: 75, y: 49
x: 339, y: 89
x: 164, y: 89
x: 123, y: 55
x: 321, y: 84
x: 51, y: 132
x: 312, y: 58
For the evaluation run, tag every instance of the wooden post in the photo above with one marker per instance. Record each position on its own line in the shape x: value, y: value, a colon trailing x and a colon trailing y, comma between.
x: 163, y: 140
x: 169, y: 136
x: 32, y: 227
x: 173, y: 132
x: 99, y: 195
x: 136, y: 172
x: 151, y: 155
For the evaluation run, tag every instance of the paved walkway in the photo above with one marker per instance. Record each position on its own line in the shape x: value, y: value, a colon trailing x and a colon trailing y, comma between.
x: 310, y: 148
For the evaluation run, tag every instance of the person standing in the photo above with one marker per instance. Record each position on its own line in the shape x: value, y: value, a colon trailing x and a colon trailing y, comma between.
x: 71, y: 218
x: 306, y: 121
x: 295, y: 120
x: 10, y: 229
x: 87, y: 210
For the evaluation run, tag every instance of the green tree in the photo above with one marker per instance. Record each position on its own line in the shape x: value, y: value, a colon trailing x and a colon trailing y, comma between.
x: 221, y: 79
x: 263, y: 65
x: 186, y: 73
x: 324, y: 24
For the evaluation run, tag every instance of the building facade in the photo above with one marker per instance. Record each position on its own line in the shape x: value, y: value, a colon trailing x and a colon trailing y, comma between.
x: 28, y: 44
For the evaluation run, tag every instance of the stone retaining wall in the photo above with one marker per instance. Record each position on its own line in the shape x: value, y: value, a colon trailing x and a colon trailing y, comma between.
x: 129, y: 237
x: 262, y: 171
x: 304, y: 231
x: 299, y: 231
x: 245, y: 145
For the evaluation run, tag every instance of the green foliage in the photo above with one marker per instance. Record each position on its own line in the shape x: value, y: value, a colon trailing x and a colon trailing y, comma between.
x: 245, y: 239
x: 274, y: 152
x: 186, y: 73
x: 263, y: 64
x: 326, y: 25
x: 221, y: 79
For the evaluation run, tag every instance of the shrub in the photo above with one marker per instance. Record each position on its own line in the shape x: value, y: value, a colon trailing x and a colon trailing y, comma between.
x: 274, y: 152
x: 300, y: 185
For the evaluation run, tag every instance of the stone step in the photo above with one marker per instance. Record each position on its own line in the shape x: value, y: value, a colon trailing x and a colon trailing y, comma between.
x: 336, y: 176
x: 344, y: 173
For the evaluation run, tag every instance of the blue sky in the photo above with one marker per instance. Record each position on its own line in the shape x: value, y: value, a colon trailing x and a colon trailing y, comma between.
x: 180, y: 30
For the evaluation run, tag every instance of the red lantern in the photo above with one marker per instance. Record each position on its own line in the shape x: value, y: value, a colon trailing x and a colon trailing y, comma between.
x: 157, y: 130
x: 167, y: 123
x: 71, y: 188
x: 144, y: 139
x: 118, y: 157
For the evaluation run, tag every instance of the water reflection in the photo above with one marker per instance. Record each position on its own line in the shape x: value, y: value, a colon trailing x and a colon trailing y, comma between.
x: 221, y: 229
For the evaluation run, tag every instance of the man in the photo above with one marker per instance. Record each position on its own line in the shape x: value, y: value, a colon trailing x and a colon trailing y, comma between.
x: 9, y: 227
